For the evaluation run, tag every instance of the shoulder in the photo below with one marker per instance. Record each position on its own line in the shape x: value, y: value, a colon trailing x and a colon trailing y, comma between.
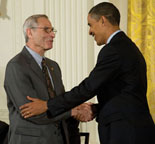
x: 20, y: 61
x: 21, y: 57
x: 108, y: 50
x: 16, y: 60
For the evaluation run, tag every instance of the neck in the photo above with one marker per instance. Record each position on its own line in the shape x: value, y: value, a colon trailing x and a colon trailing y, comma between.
x: 111, y: 31
x: 38, y: 50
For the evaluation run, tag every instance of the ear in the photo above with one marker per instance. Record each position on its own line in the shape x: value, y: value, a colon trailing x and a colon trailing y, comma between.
x: 103, y: 19
x: 29, y: 33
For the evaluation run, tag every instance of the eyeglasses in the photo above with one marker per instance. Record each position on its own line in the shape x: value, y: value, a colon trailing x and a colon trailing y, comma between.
x: 46, y: 29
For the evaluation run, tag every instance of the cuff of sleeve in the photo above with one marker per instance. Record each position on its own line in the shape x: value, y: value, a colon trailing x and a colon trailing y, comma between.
x: 53, y: 110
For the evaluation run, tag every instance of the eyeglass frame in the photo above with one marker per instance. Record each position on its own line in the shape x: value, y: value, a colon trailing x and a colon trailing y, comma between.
x: 46, y: 29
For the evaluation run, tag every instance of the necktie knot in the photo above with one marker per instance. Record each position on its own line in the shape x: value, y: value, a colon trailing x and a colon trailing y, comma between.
x: 43, y: 64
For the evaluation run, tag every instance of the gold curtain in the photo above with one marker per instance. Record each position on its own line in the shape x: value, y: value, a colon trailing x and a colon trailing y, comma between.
x: 141, y: 29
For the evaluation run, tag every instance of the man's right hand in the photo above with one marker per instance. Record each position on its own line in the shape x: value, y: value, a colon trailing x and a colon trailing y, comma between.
x: 83, y: 112
x: 33, y: 108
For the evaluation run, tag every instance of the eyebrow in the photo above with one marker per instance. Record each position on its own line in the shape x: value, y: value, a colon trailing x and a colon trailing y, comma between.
x: 47, y: 27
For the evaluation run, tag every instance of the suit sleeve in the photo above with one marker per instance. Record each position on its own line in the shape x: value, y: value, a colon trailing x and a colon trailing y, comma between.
x: 18, y: 85
x: 106, y: 68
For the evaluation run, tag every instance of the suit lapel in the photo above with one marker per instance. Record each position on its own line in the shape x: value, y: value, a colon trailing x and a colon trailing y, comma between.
x: 36, y: 69
x: 33, y: 64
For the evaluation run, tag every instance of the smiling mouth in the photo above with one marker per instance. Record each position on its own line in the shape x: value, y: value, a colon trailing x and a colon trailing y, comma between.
x: 92, y: 34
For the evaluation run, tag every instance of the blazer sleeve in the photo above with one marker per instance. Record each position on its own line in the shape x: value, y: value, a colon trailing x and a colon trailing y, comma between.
x: 106, y: 68
x: 18, y: 85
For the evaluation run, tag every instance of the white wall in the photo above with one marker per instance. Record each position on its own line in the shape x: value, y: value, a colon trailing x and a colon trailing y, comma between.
x: 74, y: 49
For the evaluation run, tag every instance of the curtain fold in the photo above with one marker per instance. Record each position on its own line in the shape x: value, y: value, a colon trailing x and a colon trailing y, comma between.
x: 141, y: 29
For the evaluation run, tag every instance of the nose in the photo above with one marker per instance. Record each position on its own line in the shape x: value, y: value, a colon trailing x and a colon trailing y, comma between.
x: 52, y: 34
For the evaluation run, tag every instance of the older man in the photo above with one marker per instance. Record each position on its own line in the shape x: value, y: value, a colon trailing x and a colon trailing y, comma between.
x: 31, y: 73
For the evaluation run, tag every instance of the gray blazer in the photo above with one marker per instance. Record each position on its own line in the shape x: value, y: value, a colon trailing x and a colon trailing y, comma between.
x: 23, y: 78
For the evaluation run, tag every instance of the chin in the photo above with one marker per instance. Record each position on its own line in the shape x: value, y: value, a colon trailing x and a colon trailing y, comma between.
x: 99, y: 44
x: 46, y: 49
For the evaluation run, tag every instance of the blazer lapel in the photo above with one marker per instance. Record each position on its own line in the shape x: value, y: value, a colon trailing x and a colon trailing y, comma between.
x: 33, y: 64
x: 37, y: 70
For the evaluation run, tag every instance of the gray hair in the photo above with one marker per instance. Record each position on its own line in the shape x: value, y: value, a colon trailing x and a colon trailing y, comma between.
x: 30, y: 22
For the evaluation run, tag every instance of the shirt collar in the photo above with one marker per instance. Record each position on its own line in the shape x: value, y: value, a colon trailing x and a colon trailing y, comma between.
x: 112, y: 35
x: 35, y: 55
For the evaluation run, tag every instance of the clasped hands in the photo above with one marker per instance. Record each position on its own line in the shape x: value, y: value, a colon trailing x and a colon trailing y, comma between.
x: 82, y: 112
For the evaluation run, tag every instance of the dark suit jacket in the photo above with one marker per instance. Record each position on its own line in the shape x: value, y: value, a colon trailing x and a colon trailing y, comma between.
x: 120, y: 83
x: 4, y: 127
x: 23, y: 78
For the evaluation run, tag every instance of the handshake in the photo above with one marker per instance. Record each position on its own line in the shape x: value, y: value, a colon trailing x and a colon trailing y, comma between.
x: 83, y: 112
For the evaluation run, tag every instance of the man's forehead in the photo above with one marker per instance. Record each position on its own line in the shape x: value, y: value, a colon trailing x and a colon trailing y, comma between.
x: 91, y: 19
x: 44, y: 21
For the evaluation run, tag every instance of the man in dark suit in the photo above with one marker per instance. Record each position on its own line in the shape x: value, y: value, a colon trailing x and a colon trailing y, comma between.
x: 24, y: 77
x: 119, y: 81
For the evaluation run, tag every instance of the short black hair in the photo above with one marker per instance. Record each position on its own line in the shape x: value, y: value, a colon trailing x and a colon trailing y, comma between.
x: 108, y: 10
